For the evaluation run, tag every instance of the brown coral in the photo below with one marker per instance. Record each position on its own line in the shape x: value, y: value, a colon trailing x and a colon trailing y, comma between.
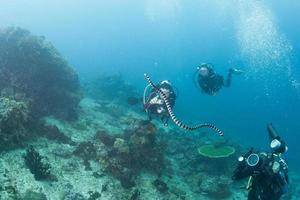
x: 137, y: 150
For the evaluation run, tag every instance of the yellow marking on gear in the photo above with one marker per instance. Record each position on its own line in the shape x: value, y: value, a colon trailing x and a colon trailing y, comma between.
x: 249, y: 184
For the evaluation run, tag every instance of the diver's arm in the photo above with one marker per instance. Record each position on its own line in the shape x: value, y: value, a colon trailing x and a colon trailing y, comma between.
x: 227, y: 82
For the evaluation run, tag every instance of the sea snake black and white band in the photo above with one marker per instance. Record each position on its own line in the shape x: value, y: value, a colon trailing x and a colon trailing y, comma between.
x: 174, y: 118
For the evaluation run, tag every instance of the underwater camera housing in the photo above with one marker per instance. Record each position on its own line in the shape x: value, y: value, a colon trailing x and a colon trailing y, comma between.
x: 248, y: 164
x: 252, y: 161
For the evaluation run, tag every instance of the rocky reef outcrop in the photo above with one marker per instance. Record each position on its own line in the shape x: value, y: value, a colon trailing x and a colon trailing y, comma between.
x: 35, y: 81
x: 13, y: 121
x: 32, y: 69
x: 39, y: 168
x: 109, y: 88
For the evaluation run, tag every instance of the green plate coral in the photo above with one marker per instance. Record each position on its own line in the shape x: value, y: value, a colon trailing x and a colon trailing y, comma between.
x: 211, y: 151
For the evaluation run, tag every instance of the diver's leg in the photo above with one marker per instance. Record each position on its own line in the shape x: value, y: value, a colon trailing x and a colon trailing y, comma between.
x: 252, y: 196
x: 149, y: 117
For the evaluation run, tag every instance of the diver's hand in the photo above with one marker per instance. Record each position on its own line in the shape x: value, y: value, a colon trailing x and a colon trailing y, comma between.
x: 235, y: 71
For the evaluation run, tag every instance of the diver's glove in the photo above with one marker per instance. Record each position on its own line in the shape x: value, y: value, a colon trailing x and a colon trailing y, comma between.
x: 235, y: 71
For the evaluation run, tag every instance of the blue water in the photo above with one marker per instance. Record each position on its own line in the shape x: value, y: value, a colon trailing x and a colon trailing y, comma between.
x: 169, y: 38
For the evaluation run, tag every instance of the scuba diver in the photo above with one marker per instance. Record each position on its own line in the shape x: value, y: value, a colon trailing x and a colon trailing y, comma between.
x: 268, y: 171
x: 154, y: 103
x: 162, y: 100
x: 209, y: 81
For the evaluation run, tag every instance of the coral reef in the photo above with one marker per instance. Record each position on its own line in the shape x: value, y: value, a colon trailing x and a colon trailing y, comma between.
x: 8, y: 186
x: 145, y: 151
x: 132, y: 101
x: 160, y: 186
x: 216, y: 160
x: 39, y: 168
x: 128, y: 160
x: 215, y: 187
x: 35, y: 81
x: 51, y: 132
x: 115, y: 111
x: 31, y: 195
x: 13, y: 120
x: 73, y: 196
x: 94, y: 195
x: 135, y: 151
x: 105, y: 138
x: 110, y: 87
x: 32, y: 69
x: 86, y: 151
x: 121, y: 146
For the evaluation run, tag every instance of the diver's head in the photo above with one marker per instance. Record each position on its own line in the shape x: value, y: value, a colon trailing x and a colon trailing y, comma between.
x: 165, y: 87
x: 165, y: 82
x: 204, y: 69
x: 166, y: 91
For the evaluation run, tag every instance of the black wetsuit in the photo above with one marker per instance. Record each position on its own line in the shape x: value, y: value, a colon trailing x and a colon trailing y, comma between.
x: 213, y: 82
x: 153, y: 108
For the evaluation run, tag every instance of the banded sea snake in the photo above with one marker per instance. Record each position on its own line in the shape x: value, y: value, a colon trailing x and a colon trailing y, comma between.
x: 174, y: 118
